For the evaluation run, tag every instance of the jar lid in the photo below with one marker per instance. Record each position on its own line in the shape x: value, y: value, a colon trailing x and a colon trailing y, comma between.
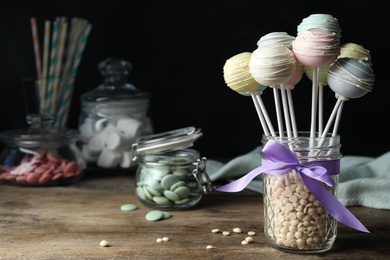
x: 40, y: 131
x: 167, y: 141
x: 115, y: 87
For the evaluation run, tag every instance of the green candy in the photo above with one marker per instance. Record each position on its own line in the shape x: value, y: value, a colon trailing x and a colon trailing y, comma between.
x: 177, y: 185
x: 154, y: 215
x: 183, y: 192
x: 168, y: 180
x: 161, y: 200
x: 171, y: 195
x: 129, y: 207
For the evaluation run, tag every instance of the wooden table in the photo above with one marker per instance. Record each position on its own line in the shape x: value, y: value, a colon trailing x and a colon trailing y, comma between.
x: 68, y: 222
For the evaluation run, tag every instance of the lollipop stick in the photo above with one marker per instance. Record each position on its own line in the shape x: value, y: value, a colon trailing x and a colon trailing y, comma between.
x: 337, y: 121
x: 314, y: 106
x: 292, y: 113
x: 286, y: 118
x: 320, y: 108
x: 264, y: 110
x: 260, y: 114
x: 278, y: 111
x: 285, y: 110
x: 330, y: 121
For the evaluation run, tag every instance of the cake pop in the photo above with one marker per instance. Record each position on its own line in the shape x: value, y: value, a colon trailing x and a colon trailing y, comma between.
x: 272, y: 65
x: 355, y: 51
x: 284, y: 39
x: 325, y: 21
x: 316, y: 47
x: 238, y: 78
x: 280, y: 38
x: 349, y: 79
x: 236, y: 73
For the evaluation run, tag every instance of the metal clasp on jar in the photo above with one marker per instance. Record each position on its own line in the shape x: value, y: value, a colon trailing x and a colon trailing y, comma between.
x: 201, y: 175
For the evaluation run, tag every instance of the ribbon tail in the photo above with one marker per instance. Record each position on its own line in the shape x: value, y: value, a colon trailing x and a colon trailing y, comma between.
x: 241, y: 183
x: 332, y: 205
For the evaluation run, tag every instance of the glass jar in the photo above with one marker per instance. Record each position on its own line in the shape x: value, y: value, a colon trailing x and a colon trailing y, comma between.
x: 40, y: 155
x: 294, y: 219
x: 169, y: 175
x: 113, y: 116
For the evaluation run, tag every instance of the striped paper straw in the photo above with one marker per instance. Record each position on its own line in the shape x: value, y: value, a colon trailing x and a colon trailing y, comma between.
x: 46, y: 45
x: 61, y: 44
x: 36, y: 46
x: 65, y: 104
x: 75, y: 32
x: 53, y: 53
x: 72, y: 43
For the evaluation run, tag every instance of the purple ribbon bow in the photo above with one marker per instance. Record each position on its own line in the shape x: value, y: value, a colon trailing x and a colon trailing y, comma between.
x: 279, y: 160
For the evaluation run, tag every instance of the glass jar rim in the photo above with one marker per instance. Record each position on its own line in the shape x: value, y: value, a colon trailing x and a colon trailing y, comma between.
x: 40, y: 132
x: 301, y: 135
x: 187, y: 154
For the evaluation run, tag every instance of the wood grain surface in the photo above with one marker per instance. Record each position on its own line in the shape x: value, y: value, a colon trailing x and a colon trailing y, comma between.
x: 68, y: 222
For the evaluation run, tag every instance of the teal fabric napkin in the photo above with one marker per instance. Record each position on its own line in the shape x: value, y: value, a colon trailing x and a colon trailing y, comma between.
x: 364, y: 181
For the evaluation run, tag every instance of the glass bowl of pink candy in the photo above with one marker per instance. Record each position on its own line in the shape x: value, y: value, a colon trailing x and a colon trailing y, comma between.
x: 40, y: 155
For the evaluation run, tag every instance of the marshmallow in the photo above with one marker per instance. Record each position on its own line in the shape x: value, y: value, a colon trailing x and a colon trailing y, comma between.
x: 96, y: 144
x: 108, y: 159
x: 107, y: 142
x: 126, y: 159
x: 88, y: 155
x: 110, y: 128
x: 86, y: 131
x: 117, y: 141
x: 100, y: 124
x: 130, y: 127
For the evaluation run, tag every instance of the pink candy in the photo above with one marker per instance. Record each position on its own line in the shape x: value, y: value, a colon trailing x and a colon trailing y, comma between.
x: 316, y: 47
x: 41, y: 169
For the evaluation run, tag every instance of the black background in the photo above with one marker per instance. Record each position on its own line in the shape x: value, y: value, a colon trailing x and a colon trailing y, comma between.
x: 178, y: 49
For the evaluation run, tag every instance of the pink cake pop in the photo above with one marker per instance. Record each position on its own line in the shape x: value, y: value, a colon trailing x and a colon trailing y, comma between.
x: 316, y: 47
